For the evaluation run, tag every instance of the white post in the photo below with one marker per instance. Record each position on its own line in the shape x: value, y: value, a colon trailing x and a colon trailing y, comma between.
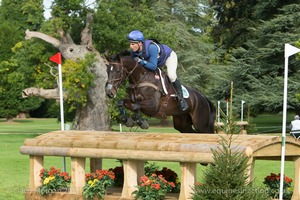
x: 227, y: 111
x: 57, y: 59
x: 218, y: 111
x: 61, y: 98
x: 288, y: 51
x: 242, y: 110
x: 120, y: 125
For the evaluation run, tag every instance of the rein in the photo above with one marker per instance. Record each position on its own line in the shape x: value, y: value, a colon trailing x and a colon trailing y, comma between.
x: 125, y: 73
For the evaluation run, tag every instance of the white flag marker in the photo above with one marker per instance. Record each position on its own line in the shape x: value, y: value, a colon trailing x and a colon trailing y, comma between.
x: 288, y: 51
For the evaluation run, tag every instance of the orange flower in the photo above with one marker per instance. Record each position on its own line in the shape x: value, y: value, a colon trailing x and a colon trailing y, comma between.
x: 156, y: 186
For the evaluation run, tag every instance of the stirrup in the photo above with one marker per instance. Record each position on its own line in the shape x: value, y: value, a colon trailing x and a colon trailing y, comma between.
x: 183, y: 105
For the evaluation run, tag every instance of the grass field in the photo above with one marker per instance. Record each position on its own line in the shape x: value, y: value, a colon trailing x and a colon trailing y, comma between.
x: 14, y: 167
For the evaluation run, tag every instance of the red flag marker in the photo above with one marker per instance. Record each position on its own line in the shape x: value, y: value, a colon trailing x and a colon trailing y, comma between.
x: 56, y: 58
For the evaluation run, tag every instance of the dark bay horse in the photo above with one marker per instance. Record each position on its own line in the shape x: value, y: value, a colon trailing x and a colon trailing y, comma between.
x: 146, y: 93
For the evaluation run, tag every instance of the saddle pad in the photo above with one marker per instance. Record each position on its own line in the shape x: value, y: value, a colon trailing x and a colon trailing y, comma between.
x: 185, y: 92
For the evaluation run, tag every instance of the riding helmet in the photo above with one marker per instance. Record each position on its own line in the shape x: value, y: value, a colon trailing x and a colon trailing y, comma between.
x: 135, y: 36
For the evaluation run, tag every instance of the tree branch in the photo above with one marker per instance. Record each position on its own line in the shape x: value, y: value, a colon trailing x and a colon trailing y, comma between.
x: 47, y: 38
x: 86, y: 35
x: 40, y: 92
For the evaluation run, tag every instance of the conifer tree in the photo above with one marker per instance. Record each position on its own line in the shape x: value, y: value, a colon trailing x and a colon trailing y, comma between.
x: 226, y: 178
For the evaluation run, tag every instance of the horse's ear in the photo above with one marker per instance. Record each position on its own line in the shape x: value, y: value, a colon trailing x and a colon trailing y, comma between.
x: 116, y: 57
x: 107, y: 58
x: 125, y: 52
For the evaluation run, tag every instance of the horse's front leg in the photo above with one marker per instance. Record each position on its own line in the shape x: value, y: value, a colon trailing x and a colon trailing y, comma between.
x: 124, y: 119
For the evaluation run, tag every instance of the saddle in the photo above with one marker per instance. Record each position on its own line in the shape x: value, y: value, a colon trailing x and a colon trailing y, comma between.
x: 165, y: 91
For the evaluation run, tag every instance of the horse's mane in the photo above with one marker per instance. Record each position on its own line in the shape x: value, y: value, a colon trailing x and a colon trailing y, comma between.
x: 119, y: 55
x: 125, y: 52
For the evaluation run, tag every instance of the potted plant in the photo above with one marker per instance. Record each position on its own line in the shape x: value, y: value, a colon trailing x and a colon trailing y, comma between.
x: 153, y: 187
x: 170, y: 176
x: 96, y: 184
x: 273, y: 186
x: 53, y: 180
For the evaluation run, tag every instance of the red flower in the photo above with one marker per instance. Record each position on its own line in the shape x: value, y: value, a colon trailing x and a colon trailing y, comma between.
x: 156, y: 186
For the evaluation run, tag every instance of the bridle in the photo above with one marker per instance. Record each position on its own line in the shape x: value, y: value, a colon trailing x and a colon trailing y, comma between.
x: 125, y: 74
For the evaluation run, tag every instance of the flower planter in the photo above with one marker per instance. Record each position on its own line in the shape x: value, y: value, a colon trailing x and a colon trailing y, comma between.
x: 31, y: 195
x: 113, y: 193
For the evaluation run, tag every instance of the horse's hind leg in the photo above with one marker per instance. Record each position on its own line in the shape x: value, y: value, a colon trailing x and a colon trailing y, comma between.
x: 183, y: 123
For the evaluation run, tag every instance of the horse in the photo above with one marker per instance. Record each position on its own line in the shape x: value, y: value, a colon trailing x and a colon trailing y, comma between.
x: 152, y: 93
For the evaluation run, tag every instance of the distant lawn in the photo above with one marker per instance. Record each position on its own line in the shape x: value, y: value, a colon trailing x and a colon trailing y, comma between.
x: 14, y: 167
x: 267, y: 123
x: 29, y: 126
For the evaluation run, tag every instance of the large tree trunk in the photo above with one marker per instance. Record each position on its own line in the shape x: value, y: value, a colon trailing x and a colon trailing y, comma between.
x: 93, y: 116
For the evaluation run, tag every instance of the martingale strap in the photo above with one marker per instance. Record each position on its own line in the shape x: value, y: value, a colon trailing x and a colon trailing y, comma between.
x: 147, y: 84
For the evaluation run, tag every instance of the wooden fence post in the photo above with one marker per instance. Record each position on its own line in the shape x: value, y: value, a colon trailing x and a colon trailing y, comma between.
x: 77, y: 174
x: 36, y: 164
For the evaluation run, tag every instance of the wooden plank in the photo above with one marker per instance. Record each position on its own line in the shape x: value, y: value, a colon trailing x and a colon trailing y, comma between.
x: 188, y: 180
x: 130, y: 178
x: 250, y: 169
x: 296, y: 192
x: 119, y: 154
x: 77, y: 174
x: 36, y: 164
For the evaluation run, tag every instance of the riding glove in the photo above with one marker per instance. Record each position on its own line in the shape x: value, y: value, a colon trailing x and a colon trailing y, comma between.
x: 140, y: 61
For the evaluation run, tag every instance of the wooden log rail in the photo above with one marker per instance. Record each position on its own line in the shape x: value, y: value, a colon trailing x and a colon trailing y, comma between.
x: 135, y: 148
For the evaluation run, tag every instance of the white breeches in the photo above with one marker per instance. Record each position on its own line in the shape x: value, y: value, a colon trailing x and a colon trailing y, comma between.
x: 171, y: 64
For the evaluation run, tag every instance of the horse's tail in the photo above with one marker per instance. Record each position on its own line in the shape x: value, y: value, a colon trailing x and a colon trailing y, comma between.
x: 212, y: 116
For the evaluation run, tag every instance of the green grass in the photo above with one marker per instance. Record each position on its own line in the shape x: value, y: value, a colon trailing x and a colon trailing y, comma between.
x: 28, y: 126
x: 268, y: 123
x: 14, y: 167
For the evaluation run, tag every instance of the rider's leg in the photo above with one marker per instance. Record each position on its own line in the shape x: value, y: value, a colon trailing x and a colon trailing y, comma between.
x: 182, y: 103
x: 171, y: 64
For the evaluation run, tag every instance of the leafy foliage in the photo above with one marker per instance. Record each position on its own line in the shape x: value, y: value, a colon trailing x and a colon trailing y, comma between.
x: 152, y: 187
x: 257, y: 65
x: 53, y: 180
x: 273, y: 186
x: 77, y: 80
x: 96, y: 184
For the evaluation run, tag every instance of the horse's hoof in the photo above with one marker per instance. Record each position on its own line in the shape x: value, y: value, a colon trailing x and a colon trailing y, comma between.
x: 130, y: 122
x: 144, y: 125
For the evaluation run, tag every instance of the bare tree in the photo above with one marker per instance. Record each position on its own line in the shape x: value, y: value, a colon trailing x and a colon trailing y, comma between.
x: 93, y: 116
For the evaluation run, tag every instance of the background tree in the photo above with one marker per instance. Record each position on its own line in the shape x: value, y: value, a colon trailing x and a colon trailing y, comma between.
x: 229, y: 41
x: 257, y: 64
x: 14, y: 79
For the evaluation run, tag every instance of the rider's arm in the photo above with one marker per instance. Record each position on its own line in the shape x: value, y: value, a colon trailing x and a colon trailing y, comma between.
x: 152, y: 63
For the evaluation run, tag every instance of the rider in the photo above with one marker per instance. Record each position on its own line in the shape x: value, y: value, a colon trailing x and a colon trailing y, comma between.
x: 151, y: 55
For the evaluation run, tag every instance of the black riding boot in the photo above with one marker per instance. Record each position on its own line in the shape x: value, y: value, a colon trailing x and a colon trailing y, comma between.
x: 182, y: 103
